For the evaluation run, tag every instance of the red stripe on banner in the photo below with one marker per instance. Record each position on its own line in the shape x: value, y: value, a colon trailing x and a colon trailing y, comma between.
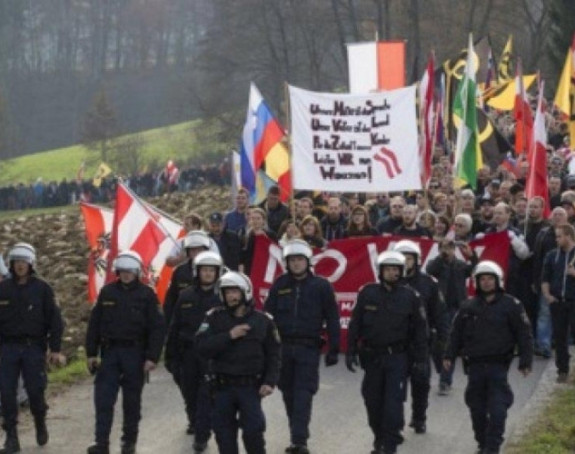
x: 391, y: 155
x: 349, y: 264
x: 388, y: 170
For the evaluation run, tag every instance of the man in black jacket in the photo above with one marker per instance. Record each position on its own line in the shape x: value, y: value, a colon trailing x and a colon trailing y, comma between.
x: 388, y: 323
x: 181, y: 352
x: 228, y: 242
x: 31, y: 329
x: 436, y: 311
x: 124, y: 341
x: 243, y: 347
x: 451, y: 274
x: 487, y: 328
x: 301, y: 303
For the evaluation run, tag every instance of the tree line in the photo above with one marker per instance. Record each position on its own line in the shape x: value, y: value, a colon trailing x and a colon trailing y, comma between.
x: 166, y: 61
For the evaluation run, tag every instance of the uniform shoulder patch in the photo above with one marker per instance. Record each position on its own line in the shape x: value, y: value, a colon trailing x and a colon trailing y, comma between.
x: 268, y: 315
x: 203, y: 327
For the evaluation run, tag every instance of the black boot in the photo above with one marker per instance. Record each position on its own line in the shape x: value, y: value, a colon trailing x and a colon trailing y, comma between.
x: 128, y: 448
x: 99, y: 449
x: 12, y: 444
x: 41, y: 431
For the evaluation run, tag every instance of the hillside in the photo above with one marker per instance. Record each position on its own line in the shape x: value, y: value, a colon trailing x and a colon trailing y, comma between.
x: 182, y: 142
x: 63, y: 253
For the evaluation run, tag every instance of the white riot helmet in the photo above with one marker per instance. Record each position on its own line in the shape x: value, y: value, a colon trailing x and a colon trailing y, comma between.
x: 297, y: 247
x: 409, y: 247
x: 208, y: 258
x: 197, y: 239
x: 23, y: 251
x: 391, y: 258
x: 235, y: 279
x: 488, y: 267
x: 128, y: 261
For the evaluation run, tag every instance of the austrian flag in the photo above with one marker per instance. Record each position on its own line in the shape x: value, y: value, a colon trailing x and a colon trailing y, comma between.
x: 141, y: 228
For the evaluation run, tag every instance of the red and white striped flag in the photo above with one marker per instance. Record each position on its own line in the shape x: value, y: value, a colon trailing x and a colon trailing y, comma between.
x: 537, y: 177
x: 522, y: 115
x: 98, y: 224
x: 426, y: 93
x: 141, y: 228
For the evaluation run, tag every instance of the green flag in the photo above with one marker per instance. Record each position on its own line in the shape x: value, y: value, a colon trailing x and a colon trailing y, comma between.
x: 467, y: 152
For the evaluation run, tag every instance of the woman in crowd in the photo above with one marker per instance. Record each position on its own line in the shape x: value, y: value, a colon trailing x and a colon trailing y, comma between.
x: 441, y: 228
x: 257, y: 227
x: 311, y: 231
x: 358, y: 224
x: 288, y: 231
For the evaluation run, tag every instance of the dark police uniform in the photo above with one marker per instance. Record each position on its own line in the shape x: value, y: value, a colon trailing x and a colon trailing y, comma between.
x: 300, y: 308
x: 126, y: 328
x: 487, y: 333
x: 182, y: 278
x: 438, y: 323
x: 239, y: 367
x: 189, y: 313
x: 30, y: 322
x: 562, y: 287
x: 385, y: 325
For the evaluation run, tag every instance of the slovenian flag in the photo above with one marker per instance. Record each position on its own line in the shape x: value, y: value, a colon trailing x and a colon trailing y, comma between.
x: 262, y: 147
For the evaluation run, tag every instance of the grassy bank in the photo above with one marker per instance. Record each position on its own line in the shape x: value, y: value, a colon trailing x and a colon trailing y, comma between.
x: 178, y: 142
x: 554, y: 430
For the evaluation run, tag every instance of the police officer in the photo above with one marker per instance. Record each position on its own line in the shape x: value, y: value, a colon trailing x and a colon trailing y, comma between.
x: 243, y: 347
x: 487, y: 328
x: 123, y: 343
x: 193, y: 304
x: 438, y: 323
x: 301, y: 303
x: 194, y: 242
x: 387, y: 323
x: 30, y: 325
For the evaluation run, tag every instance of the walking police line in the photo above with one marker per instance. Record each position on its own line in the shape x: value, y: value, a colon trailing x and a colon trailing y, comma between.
x: 226, y: 356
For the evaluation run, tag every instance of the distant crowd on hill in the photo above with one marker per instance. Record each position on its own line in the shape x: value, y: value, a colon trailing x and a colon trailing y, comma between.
x: 150, y: 184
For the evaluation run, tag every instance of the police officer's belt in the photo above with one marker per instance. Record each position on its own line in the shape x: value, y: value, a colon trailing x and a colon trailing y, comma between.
x: 23, y: 340
x: 385, y: 350
x: 489, y: 359
x: 306, y: 341
x: 238, y: 380
x: 121, y: 343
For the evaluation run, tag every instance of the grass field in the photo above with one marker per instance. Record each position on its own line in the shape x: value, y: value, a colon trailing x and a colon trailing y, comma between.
x: 179, y: 142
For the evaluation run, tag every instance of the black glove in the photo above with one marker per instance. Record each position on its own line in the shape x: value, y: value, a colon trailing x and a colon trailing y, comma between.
x: 350, y: 361
x: 331, y: 358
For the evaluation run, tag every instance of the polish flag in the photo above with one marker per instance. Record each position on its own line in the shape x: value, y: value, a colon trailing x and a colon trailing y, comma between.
x: 141, y: 228
x: 537, y: 177
x: 522, y: 115
x: 98, y: 223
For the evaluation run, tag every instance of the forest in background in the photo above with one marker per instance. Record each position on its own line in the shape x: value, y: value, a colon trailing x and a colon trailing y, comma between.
x: 161, y: 62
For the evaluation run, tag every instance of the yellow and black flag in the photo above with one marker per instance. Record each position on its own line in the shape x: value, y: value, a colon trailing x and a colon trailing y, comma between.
x: 505, y: 70
x: 566, y: 93
x: 494, y: 145
x: 102, y: 172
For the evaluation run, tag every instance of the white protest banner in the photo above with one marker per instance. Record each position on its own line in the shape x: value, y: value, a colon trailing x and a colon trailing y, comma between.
x: 355, y: 143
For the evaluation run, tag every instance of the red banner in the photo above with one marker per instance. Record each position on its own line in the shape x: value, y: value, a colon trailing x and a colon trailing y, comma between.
x: 349, y: 264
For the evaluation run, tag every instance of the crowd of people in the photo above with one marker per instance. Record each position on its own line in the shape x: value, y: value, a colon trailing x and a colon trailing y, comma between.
x: 146, y: 184
x: 225, y: 355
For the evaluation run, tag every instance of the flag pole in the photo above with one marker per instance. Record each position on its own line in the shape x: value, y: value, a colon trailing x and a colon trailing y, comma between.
x: 289, y: 147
